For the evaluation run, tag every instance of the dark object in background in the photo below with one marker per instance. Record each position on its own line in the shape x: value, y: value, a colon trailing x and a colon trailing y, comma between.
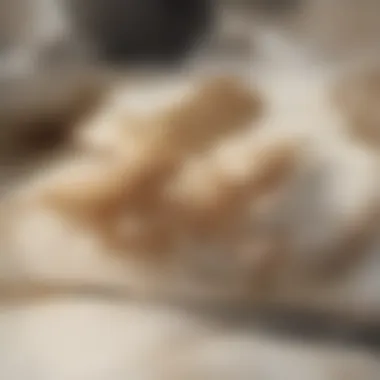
x: 125, y: 31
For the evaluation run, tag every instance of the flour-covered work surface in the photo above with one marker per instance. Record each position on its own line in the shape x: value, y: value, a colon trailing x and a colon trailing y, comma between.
x: 254, y: 189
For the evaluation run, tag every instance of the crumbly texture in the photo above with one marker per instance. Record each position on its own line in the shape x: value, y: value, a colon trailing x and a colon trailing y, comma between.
x: 217, y: 190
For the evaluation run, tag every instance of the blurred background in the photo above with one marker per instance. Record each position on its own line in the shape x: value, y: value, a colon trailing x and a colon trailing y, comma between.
x: 126, y: 32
